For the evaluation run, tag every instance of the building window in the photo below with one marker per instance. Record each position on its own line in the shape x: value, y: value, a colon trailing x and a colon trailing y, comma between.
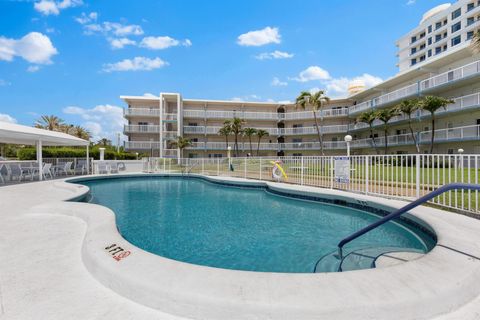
x: 430, y: 52
x: 430, y: 41
x: 297, y: 154
x: 456, y: 40
x: 193, y: 124
x: 470, y: 6
x: 413, y: 50
x: 414, y: 62
x: 470, y: 21
x: 413, y: 39
x: 470, y: 35
x: 438, y: 37
x: 430, y: 29
x: 422, y: 58
x: 457, y: 26
x: 457, y: 13
x: 438, y: 25
x: 438, y: 50
x: 215, y: 155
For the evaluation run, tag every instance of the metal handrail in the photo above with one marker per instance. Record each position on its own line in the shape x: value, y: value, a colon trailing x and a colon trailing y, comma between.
x: 399, y: 212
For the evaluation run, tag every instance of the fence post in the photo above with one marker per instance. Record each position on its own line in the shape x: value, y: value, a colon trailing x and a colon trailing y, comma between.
x: 203, y: 165
x: 218, y: 166
x: 164, y: 166
x: 417, y: 174
x: 367, y: 163
x: 332, y: 172
x: 260, y: 169
x: 245, y: 168
x: 301, y: 171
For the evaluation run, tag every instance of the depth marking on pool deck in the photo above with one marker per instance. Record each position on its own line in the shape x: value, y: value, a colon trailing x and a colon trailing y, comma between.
x: 117, y: 252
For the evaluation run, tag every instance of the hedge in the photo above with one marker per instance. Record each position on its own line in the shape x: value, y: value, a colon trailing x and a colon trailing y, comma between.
x: 62, y: 152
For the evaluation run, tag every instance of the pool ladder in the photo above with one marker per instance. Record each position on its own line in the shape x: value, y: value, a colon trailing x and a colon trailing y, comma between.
x: 399, y: 212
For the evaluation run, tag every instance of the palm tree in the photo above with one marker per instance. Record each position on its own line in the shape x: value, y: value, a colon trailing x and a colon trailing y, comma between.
x: 316, y: 100
x: 236, y: 125
x: 225, y: 131
x: 52, y: 123
x: 432, y: 104
x: 249, y: 133
x: 408, y: 108
x: 260, y: 134
x: 476, y: 42
x: 104, y: 142
x: 385, y: 115
x: 81, y: 132
x: 181, y: 144
x: 369, y: 118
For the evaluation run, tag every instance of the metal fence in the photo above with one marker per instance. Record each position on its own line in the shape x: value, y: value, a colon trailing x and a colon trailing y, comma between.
x: 397, y: 176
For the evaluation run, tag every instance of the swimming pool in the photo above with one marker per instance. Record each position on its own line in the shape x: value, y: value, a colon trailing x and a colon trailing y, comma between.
x: 195, y: 221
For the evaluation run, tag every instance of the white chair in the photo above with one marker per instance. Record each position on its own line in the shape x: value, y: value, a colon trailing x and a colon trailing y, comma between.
x: 113, y: 167
x: 2, y: 169
x: 15, y: 172
x: 80, y: 167
x: 102, y: 167
x: 66, y: 168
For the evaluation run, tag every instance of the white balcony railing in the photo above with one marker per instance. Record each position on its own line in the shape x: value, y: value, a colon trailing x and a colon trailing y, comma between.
x: 274, y: 116
x: 142, y: 145
x: 142, y: 112
x: 134, y: 128
x: 460, y: 103
x: 271, y: 131
x: 460, y: 73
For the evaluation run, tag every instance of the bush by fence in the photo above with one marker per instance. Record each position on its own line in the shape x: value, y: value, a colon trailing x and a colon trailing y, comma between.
x: 62, y: 152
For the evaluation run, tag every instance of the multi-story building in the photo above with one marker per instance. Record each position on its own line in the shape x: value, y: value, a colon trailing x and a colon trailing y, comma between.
x: 453, y: 72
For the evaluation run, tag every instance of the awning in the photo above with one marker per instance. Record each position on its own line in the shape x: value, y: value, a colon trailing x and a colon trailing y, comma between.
x: 18, y: 134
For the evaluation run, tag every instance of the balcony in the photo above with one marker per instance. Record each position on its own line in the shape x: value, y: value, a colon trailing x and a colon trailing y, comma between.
x: 460, y: 104
x: 271, y: 131
x: 142, y: 145
x: 469, y: 70
x: 270, y: 116
x: 141, y: 112
x: 132, y: 128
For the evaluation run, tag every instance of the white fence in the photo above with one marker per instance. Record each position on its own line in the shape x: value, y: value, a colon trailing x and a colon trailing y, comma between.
x: 397, y: 176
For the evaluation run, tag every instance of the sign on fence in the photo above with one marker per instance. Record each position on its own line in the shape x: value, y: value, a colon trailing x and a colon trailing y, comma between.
x: 342, y: 169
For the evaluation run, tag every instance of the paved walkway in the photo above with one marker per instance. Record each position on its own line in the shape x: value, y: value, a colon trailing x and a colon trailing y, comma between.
x: 42, y: 275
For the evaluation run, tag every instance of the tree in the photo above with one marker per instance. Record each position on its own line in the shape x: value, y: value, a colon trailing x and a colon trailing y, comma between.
x: 316, y: 100
x: 236, y: 125
x: 181, y: 144
x: 52, y: 123
x: 476, y: 42
x: 81, y: 132
x: 225, y: 131
x: 104, y: 142
x: 249, y: 133
x: 385, y: 115
x: 369, y: 118
x: 432, y: 104
x: 260, y: 134
x: 408, y: 108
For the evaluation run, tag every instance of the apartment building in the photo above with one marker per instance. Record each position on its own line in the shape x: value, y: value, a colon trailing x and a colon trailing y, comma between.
x: 155, y: 122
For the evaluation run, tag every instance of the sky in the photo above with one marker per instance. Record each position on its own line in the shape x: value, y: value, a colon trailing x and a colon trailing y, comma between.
x: 74, y: 58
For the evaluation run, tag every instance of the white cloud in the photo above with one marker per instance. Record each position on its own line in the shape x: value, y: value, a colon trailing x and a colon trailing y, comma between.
x: 277, y: 83
x: 113, y: 28
x: 411, y: 2
x: 164, y: 42
x: 150, y: 95
x: 34, y: 47
x: 87, y: 18
x: 338, y: 87
x: 50, y: 30
x: 119, y: 43
x: 259, y: 37
x: 135, y: 64
x: 103, y: 121
x: 50, y: 7
x: 312, y: 73
x: 7, y: 118
x: 274, y: 55
x: 33, y: 68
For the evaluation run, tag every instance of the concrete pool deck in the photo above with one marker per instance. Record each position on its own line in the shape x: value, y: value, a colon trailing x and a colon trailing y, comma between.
x: 53, y: 266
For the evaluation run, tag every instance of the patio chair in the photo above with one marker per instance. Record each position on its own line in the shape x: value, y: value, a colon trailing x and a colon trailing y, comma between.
x: 80, y: 167
x: 66, y: 168
x: 113, y: 167
x: 121, y: 166
x: 2, y: 169
x: 46, y: 171
x: 16, y: 172
x: 102, y: 168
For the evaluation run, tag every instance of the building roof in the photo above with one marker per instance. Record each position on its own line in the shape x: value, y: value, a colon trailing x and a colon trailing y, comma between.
x: 18, y: 134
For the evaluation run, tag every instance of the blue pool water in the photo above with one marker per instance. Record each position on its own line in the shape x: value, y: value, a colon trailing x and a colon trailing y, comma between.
x: 195, y: 221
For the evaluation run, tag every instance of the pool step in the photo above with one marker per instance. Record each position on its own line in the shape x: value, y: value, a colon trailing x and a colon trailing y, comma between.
x: 365, y: 258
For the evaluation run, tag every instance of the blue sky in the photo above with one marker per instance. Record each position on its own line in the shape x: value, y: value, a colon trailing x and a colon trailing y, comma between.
x: 74, y: 58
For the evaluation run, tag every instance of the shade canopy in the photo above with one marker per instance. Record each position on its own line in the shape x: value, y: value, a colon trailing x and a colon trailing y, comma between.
x: 18, y: 134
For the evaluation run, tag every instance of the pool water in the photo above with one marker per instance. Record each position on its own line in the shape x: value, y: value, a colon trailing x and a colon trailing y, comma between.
x: 195, y: 221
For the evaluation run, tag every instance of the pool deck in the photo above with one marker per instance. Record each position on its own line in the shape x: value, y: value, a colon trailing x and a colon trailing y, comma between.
x: 53, y: 266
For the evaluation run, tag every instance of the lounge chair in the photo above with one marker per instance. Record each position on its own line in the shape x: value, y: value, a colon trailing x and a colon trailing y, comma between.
x: 102, y: 168
x: 113, y: 167
x: 80, y: 167
x: 66, y: 168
